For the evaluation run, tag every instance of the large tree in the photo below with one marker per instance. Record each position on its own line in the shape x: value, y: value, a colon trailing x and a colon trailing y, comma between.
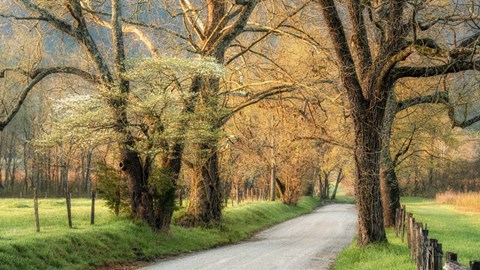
x: 105, y: 71
x: 226, y: 32
x: 383, y: 37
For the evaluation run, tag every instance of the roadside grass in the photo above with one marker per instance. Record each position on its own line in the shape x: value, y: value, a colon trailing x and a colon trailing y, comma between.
x: 342, y: 198
x: 117, y: 239
x: 456, y: 230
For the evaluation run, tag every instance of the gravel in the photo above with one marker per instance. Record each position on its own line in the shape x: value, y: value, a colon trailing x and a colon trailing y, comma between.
x: 311, y: 241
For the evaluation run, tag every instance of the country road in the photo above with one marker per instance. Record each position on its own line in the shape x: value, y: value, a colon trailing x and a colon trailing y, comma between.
x: 308, y: 242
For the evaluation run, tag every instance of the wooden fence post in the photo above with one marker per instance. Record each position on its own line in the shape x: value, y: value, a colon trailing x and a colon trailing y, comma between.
x: 414, y: 242
x: 451, y: 262
x: 428, y: 253
x: 409, y: 232
x: 432, y: 243
x: 69, y: 207
x: 35, y: 207
x: 92, y: 212
x: 397, y: 221
x: 438, y: 257
x: 425, y: 249
x: 404, y: 213
x: 475, y: 265
x: 412, y: 232
x: 450, y: 257
x: 419, y: 245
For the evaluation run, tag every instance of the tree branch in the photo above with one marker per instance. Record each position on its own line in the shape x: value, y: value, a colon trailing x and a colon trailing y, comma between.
x: 346, y: 63
x: 437, y: 98
x: 427, y: 25
x: 257, y: 28
x: 80, y: 33
x: 430, y: 71
x: 359, y: 37
x: 50, y: 18
x: 466, y: 123
x: 277, y: 90
x: 326, y: 140
x: 269, y: 31
x: 403, y: 148
x: 228, y: 36
x: 37, y: 76
x: 193, y: 18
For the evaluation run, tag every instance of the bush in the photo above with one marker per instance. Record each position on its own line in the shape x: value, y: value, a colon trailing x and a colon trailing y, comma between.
x: 113, y: 187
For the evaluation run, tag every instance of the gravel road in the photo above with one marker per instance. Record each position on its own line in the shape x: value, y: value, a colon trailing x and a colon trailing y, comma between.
x: 307, y: 242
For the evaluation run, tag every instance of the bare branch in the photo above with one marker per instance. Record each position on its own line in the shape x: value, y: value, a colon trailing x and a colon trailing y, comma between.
x: 466, y: 123
x: 228, y: 36
x: 257, y: 28
x: 437, y: 98
x: 326, y: 140
x: 37, y: 76
x: 133, y: 26
x: 193, y: 18
x: 427, y: 25
x: 277, y: 90
x: 359, y: 37
x: 404, y: 148
x: 269, y: 31
x: 50, y: 18
x: 51, y: 70
x: 346, y: 64
x: 430, y: 71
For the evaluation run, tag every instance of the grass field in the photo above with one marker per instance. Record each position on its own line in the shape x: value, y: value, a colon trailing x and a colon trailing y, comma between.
x: 469, y: 201
x: 116, y: 239
x: 458, y: 232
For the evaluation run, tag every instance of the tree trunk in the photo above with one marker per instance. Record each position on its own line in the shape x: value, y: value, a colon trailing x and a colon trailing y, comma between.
x: 388, y: 179
x: 339, y: 179
x: 205, y: 204
x: 25, y: 167
x: 9, y: 152
x: 206, y: 192
x: 367, y: 185
x: 326, y: 185
x: 14, y: 171
x: 87, y: 176
x: 165, y: 203
x: 141, y: 199
x: 205, y: 197
x: 390, y: 195
x: 320, y: 185
x: 273, y: 176
x: 12, y: 162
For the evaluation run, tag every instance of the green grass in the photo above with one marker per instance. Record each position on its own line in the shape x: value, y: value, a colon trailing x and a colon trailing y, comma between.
x: 457, y: 231
x: 116, y: 239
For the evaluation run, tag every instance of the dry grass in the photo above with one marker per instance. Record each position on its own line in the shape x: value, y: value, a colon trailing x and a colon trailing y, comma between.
x: 469, y: 201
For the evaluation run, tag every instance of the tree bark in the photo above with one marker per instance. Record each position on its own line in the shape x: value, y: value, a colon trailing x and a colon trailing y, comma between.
x: 390, y: 195
x: 326, y: 185
x: 273, y: 176
x: 367, y: 185
x: 165, y: 203
x: 388, y: 179
x: 367, y: 87
x: 220, y: 30
x: 339, y: 179
x: 205, y: 197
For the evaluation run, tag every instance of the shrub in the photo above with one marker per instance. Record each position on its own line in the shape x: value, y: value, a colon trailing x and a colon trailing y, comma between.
x: 113, y: 187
